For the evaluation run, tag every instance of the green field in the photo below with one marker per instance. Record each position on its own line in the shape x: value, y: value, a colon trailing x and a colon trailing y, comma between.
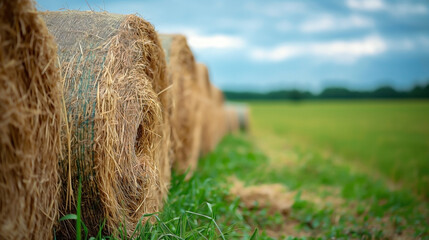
x: 390, y: 138
x: 353, y: 169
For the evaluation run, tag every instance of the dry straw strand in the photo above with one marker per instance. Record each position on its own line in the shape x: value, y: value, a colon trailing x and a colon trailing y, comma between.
x: 113, y: 118
x: 185, y: 117
x: 219, y: 128
x: 29, y: 124
x: 208, y: 127
x: 162, y: 85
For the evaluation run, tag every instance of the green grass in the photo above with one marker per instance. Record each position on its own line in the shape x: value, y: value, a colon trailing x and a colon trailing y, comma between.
x: 387, y: 137
x: 202, y: 208
x: 335, y: 158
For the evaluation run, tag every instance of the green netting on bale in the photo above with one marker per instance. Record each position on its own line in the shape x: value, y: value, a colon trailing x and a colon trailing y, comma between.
x: 112, y: 117
x: 80, y: 99
x: 83, y: 45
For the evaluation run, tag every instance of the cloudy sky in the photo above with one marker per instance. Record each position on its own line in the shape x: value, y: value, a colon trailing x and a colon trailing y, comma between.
x: 263, y: 45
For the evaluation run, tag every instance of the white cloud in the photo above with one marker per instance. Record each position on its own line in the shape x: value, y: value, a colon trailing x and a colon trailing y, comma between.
x: 368, y: 46
x: 342, y: 51
x: 367, y: 5
x: 329, y: 23
x: 218, y: 41
x: 198, y: 41
x: 408, y: 8
x: 276, y: 54
x: 395, y: 9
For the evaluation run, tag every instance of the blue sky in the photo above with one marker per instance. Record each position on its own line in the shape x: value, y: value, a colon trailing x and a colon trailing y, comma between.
x: 262, y: 45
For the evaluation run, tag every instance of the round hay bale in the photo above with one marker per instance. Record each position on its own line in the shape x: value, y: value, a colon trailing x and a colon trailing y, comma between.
x: 185, y: 118
x: 232, y: 118
x: 243, y: 117
x: 29, y: 124
x: 237, y: 117
x: 220, y: 124
x: 205, y: 98
x: 157, y: 72
x: 112, y: 115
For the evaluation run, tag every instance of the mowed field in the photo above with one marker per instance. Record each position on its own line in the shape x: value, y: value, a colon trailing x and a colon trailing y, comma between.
x: 307, y: 170
x: 387, y: 139
x: 324, y: 170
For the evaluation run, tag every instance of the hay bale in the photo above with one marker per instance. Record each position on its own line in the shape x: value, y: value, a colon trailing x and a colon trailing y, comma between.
x: 206, y: 108
x: 162, y: 85
x: 237, y: 117
x: 29, y: 124
x: 232, y: 118
x: 214, y: 127
x: 185, y: 118
x: 111, y: 118
x: 243, y: 117
x: 219, y: 115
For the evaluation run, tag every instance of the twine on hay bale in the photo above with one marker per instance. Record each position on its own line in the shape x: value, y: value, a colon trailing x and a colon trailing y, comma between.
x: 29, y: 124
x: 185, y: 118
x: 110, y: 132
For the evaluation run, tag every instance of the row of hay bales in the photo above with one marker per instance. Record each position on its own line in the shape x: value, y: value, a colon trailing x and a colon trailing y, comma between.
x: 101, y: 101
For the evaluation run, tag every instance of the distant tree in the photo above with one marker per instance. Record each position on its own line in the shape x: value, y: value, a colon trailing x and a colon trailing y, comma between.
x: 419, y: 92
x: 296, y: 95
x: 337, y: 93
x: 384, y: 92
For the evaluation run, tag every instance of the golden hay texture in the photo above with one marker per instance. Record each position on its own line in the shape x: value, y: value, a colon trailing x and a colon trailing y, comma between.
x: 219, y: 121
x: 110, y: 132
x: 208, y: 127
x: 273, y: 197
x: 185, y: 118
x: 29, y: 124
x: 157, y: 73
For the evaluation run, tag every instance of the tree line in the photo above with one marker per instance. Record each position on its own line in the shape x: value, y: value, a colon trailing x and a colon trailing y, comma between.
x: 385, y: 92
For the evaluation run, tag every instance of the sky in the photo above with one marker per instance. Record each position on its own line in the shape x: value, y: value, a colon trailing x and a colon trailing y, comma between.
x: 265, y: 45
